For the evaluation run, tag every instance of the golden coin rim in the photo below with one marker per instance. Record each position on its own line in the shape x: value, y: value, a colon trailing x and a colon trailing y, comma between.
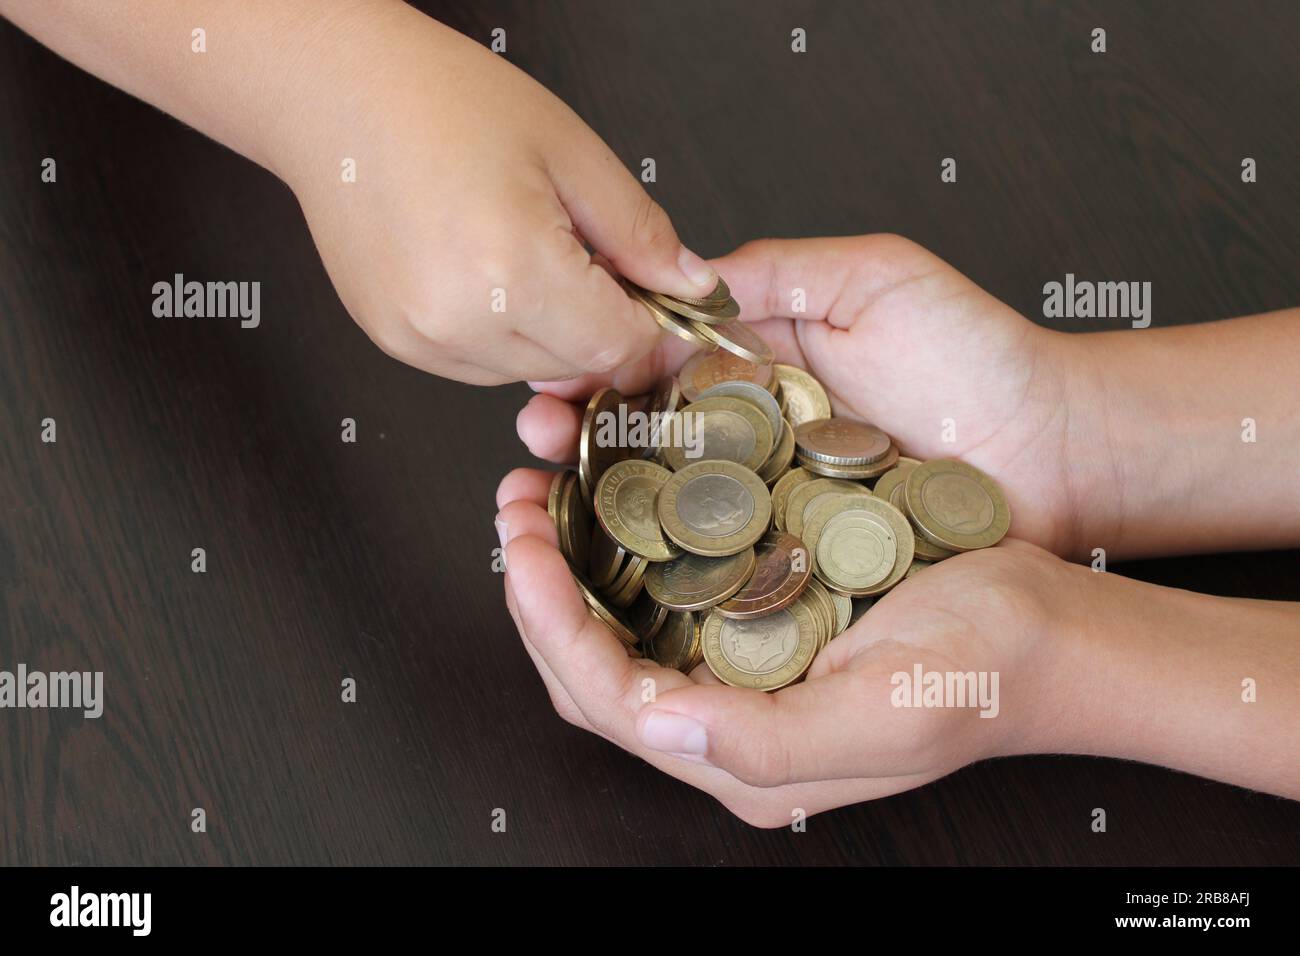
x: 676, y: 529
x: 803, y: 383
x: 785, y: 675
x: 955, y: 541
x: 741, y: 572
x: 642, y: 547
x: 763, y: 439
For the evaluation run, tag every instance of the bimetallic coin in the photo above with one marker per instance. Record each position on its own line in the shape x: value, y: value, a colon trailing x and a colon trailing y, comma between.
x: 714, y: 508
x: 848, y: 544
x: 676, y: 645
x: 625, y: 508
x: 781, y: 492
x: 598, y: 447
x: 660, y: 411
x: 575, y: 526
x: 781, y: 572
x: 762, y: 653
x: 694, y: 583
x: 854, y: 549
x: 629, y: 584
x: 799, y: 502
x: 849, y: 472
x: 705, y: 369
x: 894, y: 478
x: 817, y: 596
x: 779, y: 461
x: 843, y: 612
x: 753, y: 393
x: 738, y: 339
x: 710, y: 314
x: 925, y: 548
x: 720, y: 294
x: 668, y: 320
x: 553, y: 498
x: 606, y: 614
x: 956, y: 505
x: 841, y: 441
x: 720, y: 429
x: 645, y: 617
x: 802, y: 397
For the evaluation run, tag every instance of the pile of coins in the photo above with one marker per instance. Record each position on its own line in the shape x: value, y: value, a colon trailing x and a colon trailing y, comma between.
x: 743, y: 526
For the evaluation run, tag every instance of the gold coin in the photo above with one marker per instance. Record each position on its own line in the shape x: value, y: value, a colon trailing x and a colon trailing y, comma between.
x: 956, y: 505
x: 661, y: 412
x: 677, y: 642
x: 607, y: 615
x: 798, y: 503
x: 645, y: 617
x: 693, y: 583
x: 781, y: 572
x: 738, y: 339
x: 841, y: 441
x: 925, y: 548
x: 575, y: 526
x: 893, y: 479
x: 625, y: 508
x: 595, y: 451
x: 704, y: 369
x: 606, y: 558
x: 721, y: 429
x: 820, y: 598
x: 715, y: 508
x: 553, y: 498
x: 849, y: 546
x: 802, y: 397
x: 781, y: 492
x: 708, y: 314
x: 668, y: 320
x: 629, y: 583
x: 753, y: 393
x: 843, y: 612
x: 849, y: 472
x: 854, y: 549
x: 721, y: 293
x: 762, y: 653
x: 779, y: 461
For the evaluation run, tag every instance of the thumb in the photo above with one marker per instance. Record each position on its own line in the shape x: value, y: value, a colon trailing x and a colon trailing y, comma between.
x: 623, y: 223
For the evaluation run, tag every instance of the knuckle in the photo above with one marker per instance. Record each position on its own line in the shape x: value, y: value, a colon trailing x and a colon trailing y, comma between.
x: 651, y: 225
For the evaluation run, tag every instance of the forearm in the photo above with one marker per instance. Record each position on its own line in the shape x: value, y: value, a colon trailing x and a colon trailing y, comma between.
x: 1203, y: 684
x: 256, y: 85
x: 1189, y: 437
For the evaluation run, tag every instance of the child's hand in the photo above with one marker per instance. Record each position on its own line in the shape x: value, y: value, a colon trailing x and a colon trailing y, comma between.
x: 902, y: 340
x: 834, y: 739
x: 459, y: 247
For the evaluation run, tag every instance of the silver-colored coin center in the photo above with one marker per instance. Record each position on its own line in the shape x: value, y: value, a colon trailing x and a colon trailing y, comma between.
x: 726, y: 436
x: 760, y: 645
x: 715, y: 505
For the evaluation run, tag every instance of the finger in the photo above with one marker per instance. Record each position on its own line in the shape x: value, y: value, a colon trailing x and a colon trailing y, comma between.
x: 826, y: 278
x: 619, y: 218
x: 549, y: 428
x: 823, y: 729
x: 560, y: 699
x: 525, y: 484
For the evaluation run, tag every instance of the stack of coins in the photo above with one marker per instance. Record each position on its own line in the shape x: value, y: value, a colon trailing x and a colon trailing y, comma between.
x: 744, y: 527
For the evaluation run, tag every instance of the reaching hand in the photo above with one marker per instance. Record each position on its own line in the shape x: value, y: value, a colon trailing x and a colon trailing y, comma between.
x: 902, y: 340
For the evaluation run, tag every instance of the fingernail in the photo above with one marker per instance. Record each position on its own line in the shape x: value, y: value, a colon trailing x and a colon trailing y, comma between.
x: 502, y: 534
x: 674, y: 733
x: 697, y: 270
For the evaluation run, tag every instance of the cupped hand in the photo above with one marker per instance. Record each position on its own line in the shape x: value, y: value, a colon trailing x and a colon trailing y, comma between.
x: 459, y: 248
x: 834, y: 739
x: 904, y: 341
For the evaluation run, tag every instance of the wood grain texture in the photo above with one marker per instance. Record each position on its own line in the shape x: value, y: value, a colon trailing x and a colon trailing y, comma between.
x: 372, y: 560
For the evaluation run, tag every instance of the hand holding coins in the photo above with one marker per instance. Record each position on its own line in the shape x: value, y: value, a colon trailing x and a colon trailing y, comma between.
x: 750, y: 527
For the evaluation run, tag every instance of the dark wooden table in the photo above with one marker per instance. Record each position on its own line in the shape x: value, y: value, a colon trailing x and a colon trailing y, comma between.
x: 373, y: 560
